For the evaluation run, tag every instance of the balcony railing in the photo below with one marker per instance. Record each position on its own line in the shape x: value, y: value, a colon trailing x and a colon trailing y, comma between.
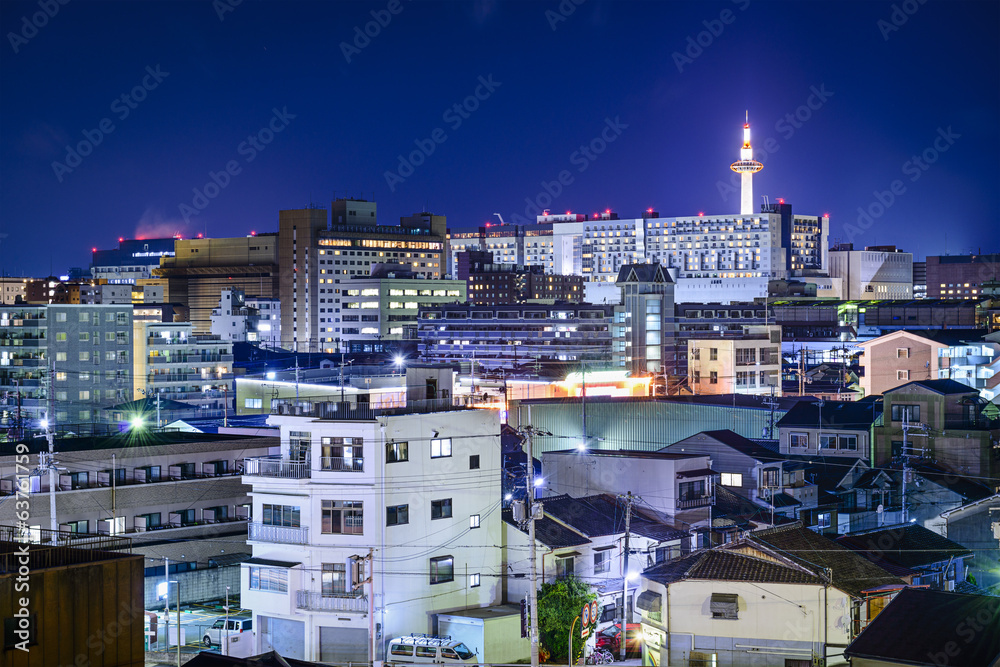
x: 275, y: 467
x: 342, y: 464
x: 344, y: 602
x: 689, y: 503
x: 279, y: 534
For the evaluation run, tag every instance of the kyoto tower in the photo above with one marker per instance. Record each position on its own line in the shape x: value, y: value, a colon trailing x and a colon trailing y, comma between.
x: 746, y: 168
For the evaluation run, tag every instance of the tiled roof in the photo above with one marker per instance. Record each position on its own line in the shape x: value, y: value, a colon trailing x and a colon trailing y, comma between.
x: 927, y: 627
x: 844, y: 415
x: 852, y: 573
x: 604, y: 514
x: 909, y: 546
x: 945, y: 387
x: 784, y: 500
x: 969, y: 489
x: 550, y: 533
x: 731, y: 505
x: 720, y: 565
x: 751, y: 448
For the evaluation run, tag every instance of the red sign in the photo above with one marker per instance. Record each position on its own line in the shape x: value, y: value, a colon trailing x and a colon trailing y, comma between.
x: 593, y: 611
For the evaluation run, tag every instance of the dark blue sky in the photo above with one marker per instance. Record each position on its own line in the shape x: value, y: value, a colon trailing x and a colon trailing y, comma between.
x: 672, y: 125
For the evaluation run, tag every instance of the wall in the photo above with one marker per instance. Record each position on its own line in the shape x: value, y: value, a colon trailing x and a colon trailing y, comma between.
x: 196, y: 586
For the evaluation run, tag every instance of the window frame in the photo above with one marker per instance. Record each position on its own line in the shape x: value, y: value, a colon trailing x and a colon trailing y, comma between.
x: 439, y: 506
x: 441, y: 444
x: 397, y: 451
x: 395, y: 511
x: 441, y: 573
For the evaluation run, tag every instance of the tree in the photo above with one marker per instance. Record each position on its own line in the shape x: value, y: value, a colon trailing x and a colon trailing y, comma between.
x: 558, y: 604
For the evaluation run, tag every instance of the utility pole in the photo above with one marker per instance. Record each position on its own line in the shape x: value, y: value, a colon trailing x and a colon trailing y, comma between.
x: 114, y: 513
x: 629, y: 498
x: 583, y: 401
x: 907, y: 470
x: 297, y: 379
x: 50, y: 462
x: 533, y: 511
x: 802, y: 371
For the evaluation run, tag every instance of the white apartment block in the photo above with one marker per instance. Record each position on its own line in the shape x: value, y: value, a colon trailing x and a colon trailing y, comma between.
x: 243, y: 319
x: 749, y: 364
x: 873, y: 273
x: 367, y: 525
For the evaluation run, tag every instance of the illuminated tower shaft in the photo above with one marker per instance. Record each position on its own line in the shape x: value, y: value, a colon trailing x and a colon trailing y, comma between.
x: 746, y: 168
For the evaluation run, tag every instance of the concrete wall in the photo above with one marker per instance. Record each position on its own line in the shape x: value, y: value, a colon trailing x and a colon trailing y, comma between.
x: 196, y: 586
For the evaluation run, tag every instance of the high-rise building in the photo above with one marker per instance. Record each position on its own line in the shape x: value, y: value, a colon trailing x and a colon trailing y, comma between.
x: 317, y: 255
x: 202, y: 268
x: 643, y: 323
x: 131, y: 261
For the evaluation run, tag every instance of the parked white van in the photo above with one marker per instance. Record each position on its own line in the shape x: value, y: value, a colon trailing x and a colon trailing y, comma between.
x: 428, y: 649
x: 220, y: 629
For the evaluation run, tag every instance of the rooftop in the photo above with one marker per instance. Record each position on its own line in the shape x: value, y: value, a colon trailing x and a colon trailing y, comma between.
x: 846, y: 415
x: 720, y: 565
x: 920, y: 626
x: 909, y: 546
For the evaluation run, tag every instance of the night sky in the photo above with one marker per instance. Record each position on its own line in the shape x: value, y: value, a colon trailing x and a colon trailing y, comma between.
x: 302, y: 109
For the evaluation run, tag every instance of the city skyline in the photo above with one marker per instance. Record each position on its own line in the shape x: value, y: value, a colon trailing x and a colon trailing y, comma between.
x: 214, y: 116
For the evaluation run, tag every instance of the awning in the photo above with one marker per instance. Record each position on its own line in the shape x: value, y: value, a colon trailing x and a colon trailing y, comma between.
x: 700, y: 472
x: 270, y: 562
x: 568, y: 554
x: 649, y: 601
x: 724, y: 603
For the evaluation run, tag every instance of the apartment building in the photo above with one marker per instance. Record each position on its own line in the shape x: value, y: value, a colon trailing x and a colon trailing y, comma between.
x: 243, y: 319
x: 368, y: 523
x: 176, y: 364
x: 177, y: 495
x: 643, y: 325
x: 960, y: 276
x: 76, y: 356
x: 745, y: 364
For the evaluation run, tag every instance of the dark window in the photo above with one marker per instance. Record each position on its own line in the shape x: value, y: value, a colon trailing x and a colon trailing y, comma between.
x: 474, y: 462
x: 441, y: 509
x: 442, y: 569
x: 281, y: 515
x: 396, y: 452
x: 692, y: 490
x: 397, y: 515
x: 910, y: 413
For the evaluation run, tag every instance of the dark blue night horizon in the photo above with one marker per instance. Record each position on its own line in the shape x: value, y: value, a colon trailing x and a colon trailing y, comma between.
x: 126, y: 119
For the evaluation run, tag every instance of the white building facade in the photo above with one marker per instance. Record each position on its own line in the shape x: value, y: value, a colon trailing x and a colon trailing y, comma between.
x: 873, y: 273
x: 363, y: 528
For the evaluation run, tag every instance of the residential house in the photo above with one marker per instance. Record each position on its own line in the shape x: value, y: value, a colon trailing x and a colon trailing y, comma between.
x: 959, y: 427
x: 734, y: 457
x: 680, y: 486
x: 584, y: 537
x: 896, y: 359
x: 976, y: 526
x: 766, y: 599
x: 933, y: 628
x: 829, y: 428
x: 931, y: 559
x: 368, y: 523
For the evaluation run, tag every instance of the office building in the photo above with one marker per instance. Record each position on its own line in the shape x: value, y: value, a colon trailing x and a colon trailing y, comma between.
x: 12, y: 290
x: 378, y: 312
x: 643, y: 324
x: 202, y: 268
x: 316, y: 255
x: 243, y: 319
x: 490, y: 283
x: 133, y: 260
x: 877, y: 272
x: 960, y: 276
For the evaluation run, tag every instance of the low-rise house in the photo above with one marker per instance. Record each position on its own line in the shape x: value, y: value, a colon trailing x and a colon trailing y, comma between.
x: 976, y: 526
x: 931, y: 628
x: 931, y: 559
x: 677, y: 485
x: 584, y: 537
x: 734, y: 457
x: 958, y: 426
x: 780, y: 596
x: 829, y: 428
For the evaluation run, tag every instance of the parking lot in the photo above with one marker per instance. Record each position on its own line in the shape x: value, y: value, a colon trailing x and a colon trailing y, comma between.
x: 195, y: 619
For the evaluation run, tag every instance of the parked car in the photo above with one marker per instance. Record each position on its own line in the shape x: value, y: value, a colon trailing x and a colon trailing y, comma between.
x: 429, y: 649
x: 237, y: 624
x: 610, y: 638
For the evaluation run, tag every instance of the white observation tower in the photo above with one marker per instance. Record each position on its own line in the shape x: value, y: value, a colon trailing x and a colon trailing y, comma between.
x: 746, y: 168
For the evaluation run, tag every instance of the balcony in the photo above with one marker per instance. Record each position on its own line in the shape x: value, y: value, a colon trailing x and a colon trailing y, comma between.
x: 277, y: 468
x: 278, y: 534
x: 342, y: 464
x: 343, y: 602
x: 691, y: 503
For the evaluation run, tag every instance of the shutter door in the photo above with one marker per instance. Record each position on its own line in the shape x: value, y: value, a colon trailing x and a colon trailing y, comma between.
x: 343, y: 645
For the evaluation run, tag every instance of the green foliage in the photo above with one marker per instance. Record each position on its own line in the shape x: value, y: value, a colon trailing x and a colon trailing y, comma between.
x: 558, y: 604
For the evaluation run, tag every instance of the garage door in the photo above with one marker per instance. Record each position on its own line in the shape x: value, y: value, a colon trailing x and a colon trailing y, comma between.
x: 284, y: 636
x: 343, y: 645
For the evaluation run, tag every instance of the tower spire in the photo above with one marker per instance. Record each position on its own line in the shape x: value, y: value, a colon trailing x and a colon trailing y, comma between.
x: 746, y: 167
